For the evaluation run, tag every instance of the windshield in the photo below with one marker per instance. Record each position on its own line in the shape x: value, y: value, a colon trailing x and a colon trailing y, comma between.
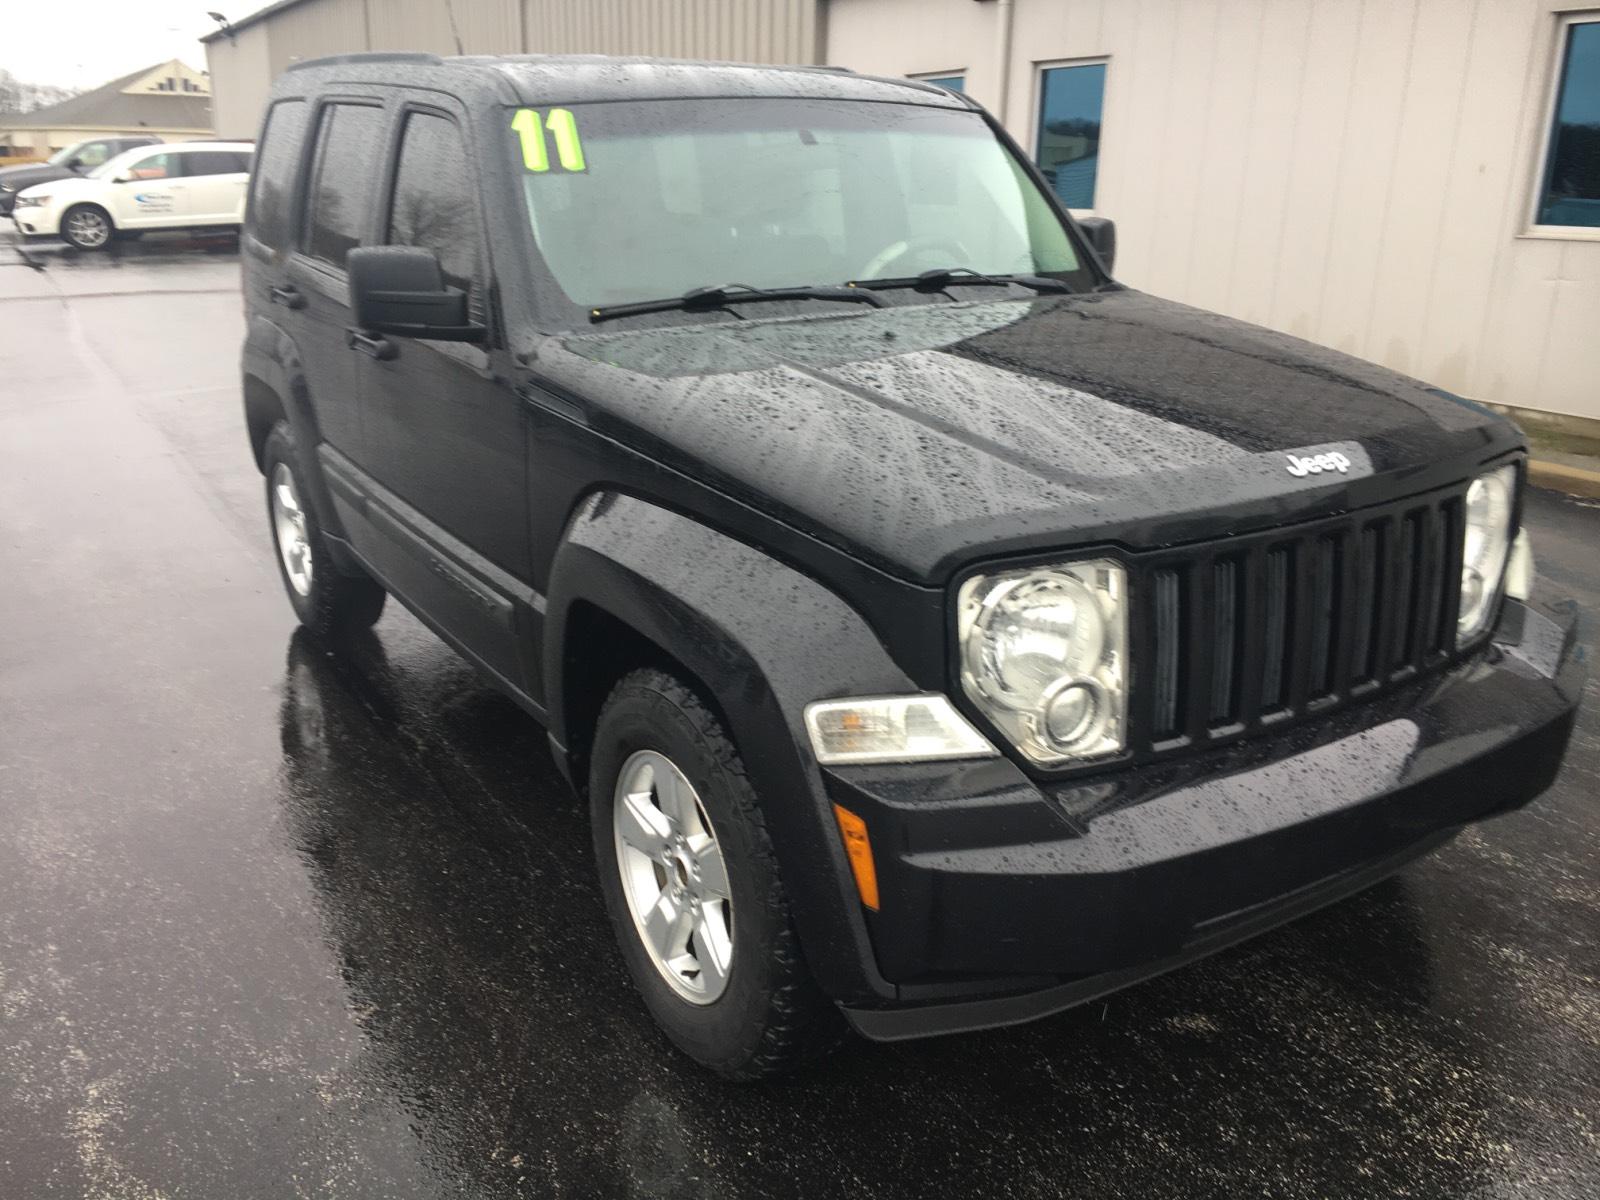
x: 118, y: 161
x: 639, y: 201
x: 63, y: 156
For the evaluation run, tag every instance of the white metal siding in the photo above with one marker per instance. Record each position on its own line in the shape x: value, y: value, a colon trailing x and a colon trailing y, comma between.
x: 241, y: 75
x: 242, y: 69
x: 782, y: 31
x: 485, y: 26
x: 316, y: 28
x: 1357, y: 173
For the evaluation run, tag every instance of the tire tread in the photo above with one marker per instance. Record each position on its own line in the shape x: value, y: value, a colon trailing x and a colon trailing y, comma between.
x: 338, y: 603
x: 802, y: 1025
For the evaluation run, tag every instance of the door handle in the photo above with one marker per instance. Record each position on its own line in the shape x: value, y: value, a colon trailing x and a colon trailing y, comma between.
x: 289, y: 296
x: 379, y: 347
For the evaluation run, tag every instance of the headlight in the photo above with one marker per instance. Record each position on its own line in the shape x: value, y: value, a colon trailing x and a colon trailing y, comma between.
x: 32, y: 201
x: 1484, y: 545
x: 1044, y: 654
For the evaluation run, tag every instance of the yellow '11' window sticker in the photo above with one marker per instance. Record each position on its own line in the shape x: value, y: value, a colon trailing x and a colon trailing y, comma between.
x: 563, y: 130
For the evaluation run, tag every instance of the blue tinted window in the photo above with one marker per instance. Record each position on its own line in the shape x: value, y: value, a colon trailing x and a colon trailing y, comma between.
x: 1069, y: 131
x: 953, y: 83
x: 1571, y: 191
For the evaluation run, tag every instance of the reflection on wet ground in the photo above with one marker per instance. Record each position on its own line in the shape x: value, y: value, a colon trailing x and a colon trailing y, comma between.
x: 278, y: 921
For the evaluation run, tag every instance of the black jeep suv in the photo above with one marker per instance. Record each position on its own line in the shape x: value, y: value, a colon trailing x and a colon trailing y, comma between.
x: 942, y: 633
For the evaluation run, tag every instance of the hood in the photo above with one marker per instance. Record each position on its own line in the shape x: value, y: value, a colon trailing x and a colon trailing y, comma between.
x: 66, y: 184
x: 14, y: 179
x: 926, y: 436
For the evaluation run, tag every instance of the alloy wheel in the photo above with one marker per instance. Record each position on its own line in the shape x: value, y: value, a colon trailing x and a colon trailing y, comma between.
x: 289, y: 528
x: 88, y: 228
x: 673, y: 876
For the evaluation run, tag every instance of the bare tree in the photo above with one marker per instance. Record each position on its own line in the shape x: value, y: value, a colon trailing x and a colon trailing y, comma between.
x: 19, y: 97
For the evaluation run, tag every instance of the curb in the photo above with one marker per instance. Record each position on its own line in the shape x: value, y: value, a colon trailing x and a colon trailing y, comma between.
x: 1574, y: 481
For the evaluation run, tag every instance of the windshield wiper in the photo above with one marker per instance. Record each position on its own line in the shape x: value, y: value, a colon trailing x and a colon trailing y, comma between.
x: 940, y: 278
x: 728, y: 294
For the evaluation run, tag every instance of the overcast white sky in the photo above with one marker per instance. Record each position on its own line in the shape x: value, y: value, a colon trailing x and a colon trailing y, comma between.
x: 86, y: 42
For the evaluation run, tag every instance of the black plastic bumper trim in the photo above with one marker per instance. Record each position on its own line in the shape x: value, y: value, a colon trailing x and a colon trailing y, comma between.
x: 931, y: 1020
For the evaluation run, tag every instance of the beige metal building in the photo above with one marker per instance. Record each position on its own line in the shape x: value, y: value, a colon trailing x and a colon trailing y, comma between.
x: 1406, y: 180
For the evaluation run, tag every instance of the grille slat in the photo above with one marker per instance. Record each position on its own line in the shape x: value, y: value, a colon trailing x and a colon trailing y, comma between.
x: 1368, y: 634
x: 1279, y: 595
x: 1427, y: 618
x: 1225, y: 635
x: 1279, y: 624
x: 1168, y: 638
x: 1325, y: 581
x: 1402, y: 598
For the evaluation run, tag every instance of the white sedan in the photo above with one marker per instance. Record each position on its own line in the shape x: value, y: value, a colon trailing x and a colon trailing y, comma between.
x: 175, y: 185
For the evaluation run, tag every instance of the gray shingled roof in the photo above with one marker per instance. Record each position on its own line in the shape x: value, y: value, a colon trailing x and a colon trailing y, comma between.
x: 107, y: 106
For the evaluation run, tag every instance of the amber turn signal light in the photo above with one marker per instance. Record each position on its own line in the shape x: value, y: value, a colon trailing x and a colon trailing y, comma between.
x: 859, y: 850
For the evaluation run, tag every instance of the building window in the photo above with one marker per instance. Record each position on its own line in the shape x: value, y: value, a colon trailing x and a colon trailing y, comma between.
x: 952, y: 82
x: 1569, y: 191
x: 1068, y: 147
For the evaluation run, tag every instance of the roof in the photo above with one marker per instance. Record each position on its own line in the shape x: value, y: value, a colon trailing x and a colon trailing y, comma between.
x: 107, y: 106
x: 261, y: 14
x: 537, y: 79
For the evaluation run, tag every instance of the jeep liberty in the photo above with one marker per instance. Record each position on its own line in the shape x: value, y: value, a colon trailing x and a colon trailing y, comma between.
x: 942, y: 633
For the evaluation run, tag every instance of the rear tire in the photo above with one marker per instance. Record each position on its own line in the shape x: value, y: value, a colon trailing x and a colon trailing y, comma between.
x: 327, y: 601
x: 87, y: 227
x: 727, y: 983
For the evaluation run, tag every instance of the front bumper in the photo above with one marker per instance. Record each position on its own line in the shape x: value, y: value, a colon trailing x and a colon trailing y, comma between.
x: 43, y: 221
x: 1004, y: 900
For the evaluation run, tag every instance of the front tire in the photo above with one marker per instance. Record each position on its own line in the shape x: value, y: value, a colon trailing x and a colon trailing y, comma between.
x: 692, y: 886
x: 327, y: 601
x: 87, y: 227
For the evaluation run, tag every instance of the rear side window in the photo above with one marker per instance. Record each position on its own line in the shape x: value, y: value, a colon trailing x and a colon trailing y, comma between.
x: 272, y: 187
x: 346, y: 160
x: 166, y: 165
x: 435, y: 204
x: 215, y: 162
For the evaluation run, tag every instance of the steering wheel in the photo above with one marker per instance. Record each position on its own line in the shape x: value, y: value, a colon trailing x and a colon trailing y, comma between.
x: 955, y: 253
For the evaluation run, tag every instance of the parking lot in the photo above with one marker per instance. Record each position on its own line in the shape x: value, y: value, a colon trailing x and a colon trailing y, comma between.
x: 278, y: 923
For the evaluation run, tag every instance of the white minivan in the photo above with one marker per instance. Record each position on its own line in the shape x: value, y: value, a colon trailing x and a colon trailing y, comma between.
x: 174, y: 185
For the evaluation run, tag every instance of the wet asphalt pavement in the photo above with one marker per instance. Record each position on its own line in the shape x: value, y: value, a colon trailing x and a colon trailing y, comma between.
x: 278, y: 923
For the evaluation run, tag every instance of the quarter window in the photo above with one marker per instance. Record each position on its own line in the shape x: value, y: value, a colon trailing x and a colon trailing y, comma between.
x: 1068, y: 146
x: 346, y: 157
x: 435, y: 205
x: 1569, y: 192
x: 272, y: 187
x: 157, y: 166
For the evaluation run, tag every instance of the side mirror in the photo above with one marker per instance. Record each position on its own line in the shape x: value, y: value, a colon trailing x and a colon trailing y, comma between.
x: 400, y: 289
x: 122, y: 177
x: 75, y: 164
x: 1102, y: 235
